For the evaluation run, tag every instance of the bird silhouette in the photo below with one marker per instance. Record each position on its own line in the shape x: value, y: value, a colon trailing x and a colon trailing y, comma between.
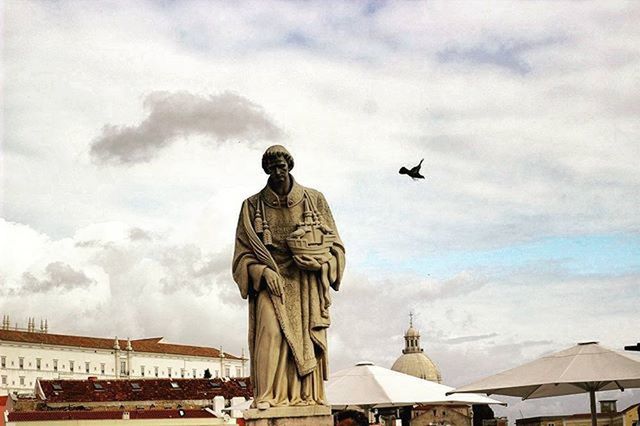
x: 414, y: 173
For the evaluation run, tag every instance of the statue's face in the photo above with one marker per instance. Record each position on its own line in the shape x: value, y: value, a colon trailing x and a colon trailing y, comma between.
x: 278, y: 169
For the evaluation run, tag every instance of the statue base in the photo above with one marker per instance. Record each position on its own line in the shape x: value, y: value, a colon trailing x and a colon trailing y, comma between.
x: 312, y: 415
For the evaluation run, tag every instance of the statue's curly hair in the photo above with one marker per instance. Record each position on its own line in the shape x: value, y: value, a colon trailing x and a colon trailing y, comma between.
x: 273, y: 152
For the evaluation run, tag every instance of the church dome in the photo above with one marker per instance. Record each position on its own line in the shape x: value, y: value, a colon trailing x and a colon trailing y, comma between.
x: 413, y: 361
x: 418, y: 365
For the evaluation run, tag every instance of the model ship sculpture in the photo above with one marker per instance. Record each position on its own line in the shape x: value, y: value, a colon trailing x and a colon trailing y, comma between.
x: 311, y: 237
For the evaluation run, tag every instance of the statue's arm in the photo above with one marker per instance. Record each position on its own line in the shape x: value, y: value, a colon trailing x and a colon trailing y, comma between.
x: 247, y: 270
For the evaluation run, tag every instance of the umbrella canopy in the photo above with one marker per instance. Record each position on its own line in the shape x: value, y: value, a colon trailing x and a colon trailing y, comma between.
x: 368, y: 385
x: 586, y: 367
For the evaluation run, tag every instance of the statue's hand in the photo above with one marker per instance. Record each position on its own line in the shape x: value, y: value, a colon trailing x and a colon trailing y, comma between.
x: 275, y: 283
x: 309, y: 263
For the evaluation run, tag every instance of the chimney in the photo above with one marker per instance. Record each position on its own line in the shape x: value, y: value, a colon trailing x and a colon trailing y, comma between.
x: 46, y: 326
x: 41, y: 325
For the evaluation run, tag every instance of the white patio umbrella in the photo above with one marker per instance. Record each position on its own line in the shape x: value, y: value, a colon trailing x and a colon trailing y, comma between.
x: 586, y: 367
x: 370, y: 386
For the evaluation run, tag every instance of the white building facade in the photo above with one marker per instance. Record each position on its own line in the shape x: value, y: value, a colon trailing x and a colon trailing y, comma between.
x: 30, y: 354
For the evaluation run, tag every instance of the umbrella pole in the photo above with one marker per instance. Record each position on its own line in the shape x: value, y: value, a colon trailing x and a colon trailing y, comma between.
x: 594, y: 414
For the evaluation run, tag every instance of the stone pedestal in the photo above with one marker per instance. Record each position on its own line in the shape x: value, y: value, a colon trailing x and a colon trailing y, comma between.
x: 313, y: 415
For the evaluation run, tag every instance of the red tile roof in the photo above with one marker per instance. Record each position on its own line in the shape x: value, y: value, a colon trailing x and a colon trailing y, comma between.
x: 78, y: 391
x: 25, y: 416
x: 151, y: 345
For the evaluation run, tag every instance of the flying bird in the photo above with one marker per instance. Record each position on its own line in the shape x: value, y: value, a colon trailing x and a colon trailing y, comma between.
x: 414, y: 173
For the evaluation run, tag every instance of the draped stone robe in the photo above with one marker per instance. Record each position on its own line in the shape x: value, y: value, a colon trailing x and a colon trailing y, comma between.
x: 287, y: 335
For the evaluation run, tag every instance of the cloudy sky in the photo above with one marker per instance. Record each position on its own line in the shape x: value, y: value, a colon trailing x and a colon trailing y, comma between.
x: 132, y: 131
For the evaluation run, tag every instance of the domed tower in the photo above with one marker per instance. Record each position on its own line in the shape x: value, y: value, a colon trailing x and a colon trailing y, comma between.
x: 413, y: 361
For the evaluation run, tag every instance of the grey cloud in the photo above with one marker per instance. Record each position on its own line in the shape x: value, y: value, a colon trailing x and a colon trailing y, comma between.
x: 508, y: 54
x: 58, y: 275
x: 136, y: 234
x: 467, y: 339
x: 181, y: 114
x: 462, y: 283
x: 187, y: 269
x: 88, y: 243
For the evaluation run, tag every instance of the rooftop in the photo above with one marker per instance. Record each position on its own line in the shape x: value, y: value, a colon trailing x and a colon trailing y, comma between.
x: 150, y: 345
x: 108, y: 391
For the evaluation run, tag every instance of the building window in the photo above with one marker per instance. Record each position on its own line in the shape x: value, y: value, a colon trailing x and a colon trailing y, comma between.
x: 142, y: 370
x: 238, y: 372
x: 227, y: 372
x: 182, y: 373
x: 38, y: 363
x: 155, y: 371
x: 169, y: 371
x: 4, y: 380
x: 3, y: 361
x: 55, y: 365
x: 21, y: 380
x: 551, y: 424
x: 217, y: 374
x: 71, y: 365
x: 194, y: 373
x: 87, y: 368
x: 21, y: 363
x: 123, y: 367
x: 102, y: 366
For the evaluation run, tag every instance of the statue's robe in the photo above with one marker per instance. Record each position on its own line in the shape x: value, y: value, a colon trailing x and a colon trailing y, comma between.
x: 287, y: 335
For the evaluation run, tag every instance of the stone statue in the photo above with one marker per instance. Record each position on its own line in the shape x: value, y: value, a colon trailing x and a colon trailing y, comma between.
x: 287, y: 255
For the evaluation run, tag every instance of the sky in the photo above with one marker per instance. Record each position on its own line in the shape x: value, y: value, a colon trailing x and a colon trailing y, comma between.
x: 132, y: 131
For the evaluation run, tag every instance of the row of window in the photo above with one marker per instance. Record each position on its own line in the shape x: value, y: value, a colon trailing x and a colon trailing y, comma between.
x: 183, y: 371
x: 21, y: 381
x: 72, y: 365
x: 123, y: 368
